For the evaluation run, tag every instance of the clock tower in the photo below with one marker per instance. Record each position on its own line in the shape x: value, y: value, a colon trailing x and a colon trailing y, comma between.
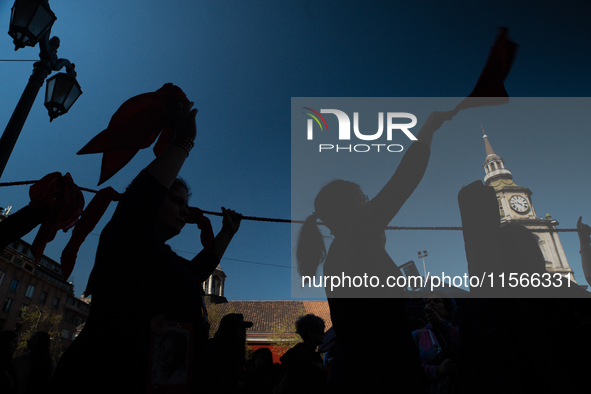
x: 516, y: 207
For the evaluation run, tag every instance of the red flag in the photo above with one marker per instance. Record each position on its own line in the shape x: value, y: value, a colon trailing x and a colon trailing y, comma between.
x: 65, y: 203
x: 88, y: 220
x: 135, y: 125
x: 490, y: 87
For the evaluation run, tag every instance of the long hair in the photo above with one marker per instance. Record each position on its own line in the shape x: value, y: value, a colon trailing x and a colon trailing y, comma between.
x: 310, y: 250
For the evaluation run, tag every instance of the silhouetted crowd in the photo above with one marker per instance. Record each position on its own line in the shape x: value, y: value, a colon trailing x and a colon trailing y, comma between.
x: 28, y: 372
x: 504, y: 346
x: 502, y: 340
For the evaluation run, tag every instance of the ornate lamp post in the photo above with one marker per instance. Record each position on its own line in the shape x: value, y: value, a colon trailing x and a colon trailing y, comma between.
x: 31, y: 22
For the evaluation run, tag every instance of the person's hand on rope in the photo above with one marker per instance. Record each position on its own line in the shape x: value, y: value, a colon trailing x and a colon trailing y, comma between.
x: 231, y: 220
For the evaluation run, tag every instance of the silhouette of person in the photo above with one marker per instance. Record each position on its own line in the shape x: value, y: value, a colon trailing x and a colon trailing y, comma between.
x: 8, y: 380
x: 225, y: 359
x: 358, y: 248
x: 261, y: 374
x: 35, y: 366
x: 501, y: 334
x: 328, y: 348
x: 137, y: 278
x: 440, y: 367
x: 302, y: 370
x: 585, y: 250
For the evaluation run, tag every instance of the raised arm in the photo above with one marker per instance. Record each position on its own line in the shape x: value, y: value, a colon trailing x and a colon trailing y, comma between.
x: 585, y: 241
x: 167, y: 165
x: 409, y: 173
x: 432, y: 124
x: 230, y: 225
x: 205, y: 263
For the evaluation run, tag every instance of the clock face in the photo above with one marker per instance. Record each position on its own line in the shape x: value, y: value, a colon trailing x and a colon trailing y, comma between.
x: 519, y: 204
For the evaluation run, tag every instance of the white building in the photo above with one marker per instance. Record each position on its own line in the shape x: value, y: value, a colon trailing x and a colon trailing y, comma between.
x: 516, y: 207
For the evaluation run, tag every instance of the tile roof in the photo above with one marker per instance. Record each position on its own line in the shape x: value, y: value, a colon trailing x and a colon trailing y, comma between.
x: 319, y: 308
x: 268, y: 316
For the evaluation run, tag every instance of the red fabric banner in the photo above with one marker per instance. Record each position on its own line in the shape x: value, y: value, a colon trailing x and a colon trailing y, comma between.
x: 89, y: 219
x: 136, y: 125
x: 490, y: 87
x: 64, y: 202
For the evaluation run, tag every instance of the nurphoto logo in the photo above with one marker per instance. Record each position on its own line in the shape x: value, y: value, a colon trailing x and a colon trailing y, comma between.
x: 344, y: 133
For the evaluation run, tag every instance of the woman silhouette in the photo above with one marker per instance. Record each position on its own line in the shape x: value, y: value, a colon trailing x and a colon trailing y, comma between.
x: 358, y: 250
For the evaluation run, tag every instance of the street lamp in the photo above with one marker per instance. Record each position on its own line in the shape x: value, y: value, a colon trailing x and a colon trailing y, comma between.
x: 62, y: 91
x: 422, y: 256
x: 30, y: 23
x: 29, y: 20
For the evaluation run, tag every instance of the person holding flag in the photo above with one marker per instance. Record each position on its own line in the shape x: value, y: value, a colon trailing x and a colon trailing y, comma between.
x: 141, y: 289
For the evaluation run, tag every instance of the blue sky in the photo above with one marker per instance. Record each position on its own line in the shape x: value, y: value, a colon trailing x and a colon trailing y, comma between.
x: 242, y: 62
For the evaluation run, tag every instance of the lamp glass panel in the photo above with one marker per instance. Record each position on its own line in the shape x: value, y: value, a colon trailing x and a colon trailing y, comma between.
x: 23, y: 12
x: 61, y: 89
x: 49, y: 89
x: 75, y: 92
x: 41, y: 21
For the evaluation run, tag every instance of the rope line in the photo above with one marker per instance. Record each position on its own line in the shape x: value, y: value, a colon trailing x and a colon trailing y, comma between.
x: 20, y: 183
x: 273, y: 220
x: 17, y: 183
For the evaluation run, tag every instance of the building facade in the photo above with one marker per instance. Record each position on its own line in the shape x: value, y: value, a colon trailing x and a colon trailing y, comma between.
x: 26, y: 284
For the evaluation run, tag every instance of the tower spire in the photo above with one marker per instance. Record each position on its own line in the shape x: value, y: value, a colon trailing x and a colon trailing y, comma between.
x: 494, y: 166
x: 487, y: 146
